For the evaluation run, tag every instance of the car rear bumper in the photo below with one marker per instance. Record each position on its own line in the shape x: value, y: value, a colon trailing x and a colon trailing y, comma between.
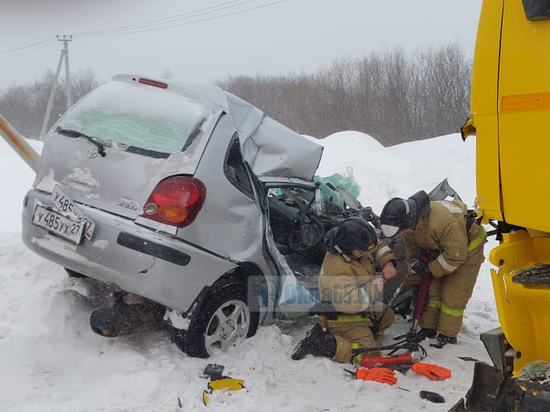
x: 139, y: 260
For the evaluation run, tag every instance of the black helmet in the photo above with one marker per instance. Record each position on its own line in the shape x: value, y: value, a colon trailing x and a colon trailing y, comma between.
x: 399, y: 214
x: 352, y: 234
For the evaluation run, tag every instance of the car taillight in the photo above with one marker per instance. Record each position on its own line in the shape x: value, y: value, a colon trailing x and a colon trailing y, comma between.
x: 176, y: 201
x: 150, y: 82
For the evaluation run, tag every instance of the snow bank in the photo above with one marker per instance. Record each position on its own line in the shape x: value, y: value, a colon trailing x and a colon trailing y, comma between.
x: 401, y: 170
x: 52, y: 361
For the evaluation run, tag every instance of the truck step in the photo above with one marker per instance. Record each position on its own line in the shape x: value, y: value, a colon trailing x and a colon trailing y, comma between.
x: 535, y: 275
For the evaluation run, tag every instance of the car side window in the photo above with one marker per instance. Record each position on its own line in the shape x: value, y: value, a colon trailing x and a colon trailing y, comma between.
x: 234, y: 168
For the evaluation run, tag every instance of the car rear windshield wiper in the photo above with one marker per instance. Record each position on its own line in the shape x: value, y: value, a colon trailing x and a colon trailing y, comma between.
x: 194, y: 133
x: 91, y: 139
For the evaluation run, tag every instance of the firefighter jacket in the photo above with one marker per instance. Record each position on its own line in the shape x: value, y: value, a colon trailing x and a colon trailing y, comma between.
x: 441, y: 236
x: 348, y: 285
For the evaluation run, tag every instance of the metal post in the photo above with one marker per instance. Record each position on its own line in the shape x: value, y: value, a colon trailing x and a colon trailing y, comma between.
x: 50, y: 100
x: 66, y: 40
x: 63, y: 56
x: 19, y: 144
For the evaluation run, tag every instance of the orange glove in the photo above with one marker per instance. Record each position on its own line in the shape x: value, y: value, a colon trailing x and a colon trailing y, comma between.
x: 382, y: 375
x: 434, y: 372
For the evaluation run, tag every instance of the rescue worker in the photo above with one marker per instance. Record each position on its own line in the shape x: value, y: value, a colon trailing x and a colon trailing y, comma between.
x: 443, y: 239
x: 349, y: 282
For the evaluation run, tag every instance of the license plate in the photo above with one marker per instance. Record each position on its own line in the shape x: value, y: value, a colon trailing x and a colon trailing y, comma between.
x: 66, y: 206
x: 58, y: 224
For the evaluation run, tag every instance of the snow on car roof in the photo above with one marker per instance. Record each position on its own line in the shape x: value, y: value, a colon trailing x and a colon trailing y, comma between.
x: 270, y: 148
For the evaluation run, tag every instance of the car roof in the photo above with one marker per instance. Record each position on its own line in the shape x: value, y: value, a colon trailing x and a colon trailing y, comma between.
x: 270, y: 148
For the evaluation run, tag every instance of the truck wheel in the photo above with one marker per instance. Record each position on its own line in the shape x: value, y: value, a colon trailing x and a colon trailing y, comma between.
x: 224, y: 319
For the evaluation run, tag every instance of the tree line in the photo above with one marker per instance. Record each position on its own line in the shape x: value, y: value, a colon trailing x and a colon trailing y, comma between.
x: 394, y: 96
x: 24, y: 106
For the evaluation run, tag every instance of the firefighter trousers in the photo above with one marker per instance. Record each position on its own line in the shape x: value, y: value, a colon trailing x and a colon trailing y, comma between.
x: 449, y: 294
x: 354, y: 331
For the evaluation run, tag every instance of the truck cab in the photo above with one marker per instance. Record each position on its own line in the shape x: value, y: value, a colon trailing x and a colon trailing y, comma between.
x: 510, y: 109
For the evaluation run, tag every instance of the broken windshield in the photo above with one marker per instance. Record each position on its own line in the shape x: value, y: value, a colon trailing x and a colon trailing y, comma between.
x: 143, y: 117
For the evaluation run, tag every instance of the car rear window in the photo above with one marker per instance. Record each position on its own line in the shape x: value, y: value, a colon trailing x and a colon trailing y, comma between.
x: 143, y: 117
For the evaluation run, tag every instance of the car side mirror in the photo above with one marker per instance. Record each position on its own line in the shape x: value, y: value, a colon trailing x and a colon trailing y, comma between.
x: 536, y: 10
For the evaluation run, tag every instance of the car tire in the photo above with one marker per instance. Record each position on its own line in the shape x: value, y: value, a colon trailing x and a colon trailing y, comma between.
x: 223, y: 319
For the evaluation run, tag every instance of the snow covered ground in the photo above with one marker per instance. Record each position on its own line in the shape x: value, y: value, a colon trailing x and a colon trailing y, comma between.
x: 50, y: 360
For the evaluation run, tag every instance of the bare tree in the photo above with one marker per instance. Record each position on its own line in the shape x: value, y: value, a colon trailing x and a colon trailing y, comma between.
x: 25, y: 106
x: 393, y: 96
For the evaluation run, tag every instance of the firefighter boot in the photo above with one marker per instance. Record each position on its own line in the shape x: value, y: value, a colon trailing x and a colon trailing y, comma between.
x: 316, y: 343
x: 443, y: 340
x: 425, y: 333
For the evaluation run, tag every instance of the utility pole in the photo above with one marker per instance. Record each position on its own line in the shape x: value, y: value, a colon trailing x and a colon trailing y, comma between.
x: 66, y: 40
x: 64, y: 56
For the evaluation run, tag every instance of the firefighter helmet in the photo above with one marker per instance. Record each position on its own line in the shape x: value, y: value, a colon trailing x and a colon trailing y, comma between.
x: 352, y: 234
x: 399, y: 214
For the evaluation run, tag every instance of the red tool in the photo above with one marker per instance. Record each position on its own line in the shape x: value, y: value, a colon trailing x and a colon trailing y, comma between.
x: 405, y: 359
x: 421, y: 300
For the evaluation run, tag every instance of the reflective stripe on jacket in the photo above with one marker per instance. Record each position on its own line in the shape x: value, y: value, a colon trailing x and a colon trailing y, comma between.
x: 444, y: 231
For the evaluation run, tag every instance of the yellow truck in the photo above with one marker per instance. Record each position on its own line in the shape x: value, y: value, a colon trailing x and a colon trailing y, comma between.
x: 510, y: 115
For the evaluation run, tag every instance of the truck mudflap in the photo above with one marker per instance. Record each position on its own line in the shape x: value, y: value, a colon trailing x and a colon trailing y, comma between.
x: 495, y: 389
x: 491, y: 391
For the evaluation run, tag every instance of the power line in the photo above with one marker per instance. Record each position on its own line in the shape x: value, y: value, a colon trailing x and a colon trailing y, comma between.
x: 49, y: 40
x: 30, y: 50
x: 145, y: 26
x: 195, y: 13
x: 192, y: 22
x: 198, y: 12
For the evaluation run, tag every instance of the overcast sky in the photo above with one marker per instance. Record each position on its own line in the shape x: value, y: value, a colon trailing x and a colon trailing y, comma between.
x: 260, y: 37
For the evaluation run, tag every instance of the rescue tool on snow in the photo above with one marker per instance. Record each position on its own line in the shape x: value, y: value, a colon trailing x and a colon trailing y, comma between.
x: 399, y: 362
x: 218, y: 381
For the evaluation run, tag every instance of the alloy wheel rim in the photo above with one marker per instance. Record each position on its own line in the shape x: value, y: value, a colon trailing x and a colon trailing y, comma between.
x: 227, y: 327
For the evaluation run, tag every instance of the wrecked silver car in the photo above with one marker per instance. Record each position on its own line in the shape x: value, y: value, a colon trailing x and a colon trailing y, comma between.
x: 182, y: 196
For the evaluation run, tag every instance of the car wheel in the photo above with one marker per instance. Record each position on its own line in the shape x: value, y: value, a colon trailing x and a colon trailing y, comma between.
x: 223, y: 320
